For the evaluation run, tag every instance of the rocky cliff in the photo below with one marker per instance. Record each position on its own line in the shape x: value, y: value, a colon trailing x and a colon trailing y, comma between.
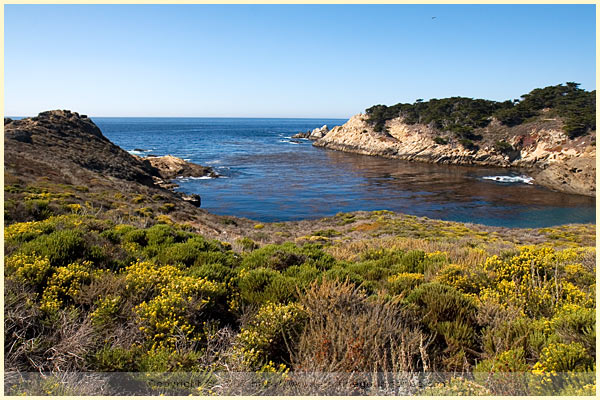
x: 539, y: 146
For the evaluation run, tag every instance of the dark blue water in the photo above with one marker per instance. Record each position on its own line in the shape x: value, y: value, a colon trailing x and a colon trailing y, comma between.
x: 268, y: 177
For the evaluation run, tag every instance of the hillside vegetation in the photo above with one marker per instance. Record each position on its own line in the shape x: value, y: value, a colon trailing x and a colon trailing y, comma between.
x: 462, y: 115
x: 83, y: 293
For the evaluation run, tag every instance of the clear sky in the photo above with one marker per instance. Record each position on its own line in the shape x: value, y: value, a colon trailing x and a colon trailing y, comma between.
x: 285, y: 60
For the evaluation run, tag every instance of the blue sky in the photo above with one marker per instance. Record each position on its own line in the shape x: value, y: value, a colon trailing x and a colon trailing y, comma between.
x: 286, y: 60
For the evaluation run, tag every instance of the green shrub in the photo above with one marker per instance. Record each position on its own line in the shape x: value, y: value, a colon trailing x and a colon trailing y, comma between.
x: 303, y: 274
x: 508, y: 361
x: 281, y: 257
x: 440, y: 140
x: 451, y: 315
x: 137, y: 236
x: 214, y: 272
x: 166, y: 360
x: 167, y: 207
x: 259, y: 286
x: 60, y: 247
x: 509, y: 335
x: 327, y: 233
x: 38, y: 209
x: 341, y: 274
x: 503, y: 146
x: 163, y: 234
x: 385, y: 258
x: 413, y: 261
x: 468, y: 144
x: 247, y: 244
x: 345, y: 218
x: 228, y: 258
x: 397, y: 261
x: 116, y: 359
x: 111, y: 235
x: 182, y: 253
x: 368, y: 270
x: 577, y: 325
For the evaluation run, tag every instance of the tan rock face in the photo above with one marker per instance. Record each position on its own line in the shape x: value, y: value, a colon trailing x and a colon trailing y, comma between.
x: 555, y: 160
x: 171, y: 167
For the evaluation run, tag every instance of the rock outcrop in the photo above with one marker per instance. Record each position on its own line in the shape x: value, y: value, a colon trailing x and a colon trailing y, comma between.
x: 56, y: 142
x: 315, y: 134
x: 170, y: 167
x: 540, y: 146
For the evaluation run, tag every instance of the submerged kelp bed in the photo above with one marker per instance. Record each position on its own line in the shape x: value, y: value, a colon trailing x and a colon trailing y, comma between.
x: 360, y: 302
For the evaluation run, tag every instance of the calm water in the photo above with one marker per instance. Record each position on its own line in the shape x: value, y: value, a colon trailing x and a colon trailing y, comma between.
x: 268, y: 177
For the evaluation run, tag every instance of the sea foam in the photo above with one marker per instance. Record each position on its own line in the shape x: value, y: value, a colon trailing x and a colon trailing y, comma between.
x: 510, y: 179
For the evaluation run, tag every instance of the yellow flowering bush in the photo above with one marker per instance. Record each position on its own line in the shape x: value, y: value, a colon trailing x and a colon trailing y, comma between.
x: 147, y: 277
x: 403, y: 282
x: 273, y: 374
x: 175, y: 311
x: 38, y: 196
x: 530, y: 282
x: 105, y: 311
x: 164, y: 219
x: 461, y: 278
x: 575, y: 323
x: 22, y: 231
x: 512, y: 360
x: 64, y: 285
x: 561, y: 357
x: 75, y: 207
x: 26, y: 231
x: 264, y: 338
x: 29, y: 268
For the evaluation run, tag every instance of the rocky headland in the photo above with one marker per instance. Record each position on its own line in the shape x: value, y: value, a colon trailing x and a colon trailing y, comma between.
x: 540, y: 147
x: 61, y: 137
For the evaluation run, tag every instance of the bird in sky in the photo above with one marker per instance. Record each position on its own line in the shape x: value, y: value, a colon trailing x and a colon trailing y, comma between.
x: 433, y: 17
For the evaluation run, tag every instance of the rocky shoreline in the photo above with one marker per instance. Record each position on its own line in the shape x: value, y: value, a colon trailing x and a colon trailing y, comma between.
x: 538, y: 147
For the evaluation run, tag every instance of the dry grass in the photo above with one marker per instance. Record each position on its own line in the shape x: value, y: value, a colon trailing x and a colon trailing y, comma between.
x: 348, y: 336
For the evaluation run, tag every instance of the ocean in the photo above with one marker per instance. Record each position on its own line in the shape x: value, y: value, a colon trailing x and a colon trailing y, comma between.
x: 268, y: 177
